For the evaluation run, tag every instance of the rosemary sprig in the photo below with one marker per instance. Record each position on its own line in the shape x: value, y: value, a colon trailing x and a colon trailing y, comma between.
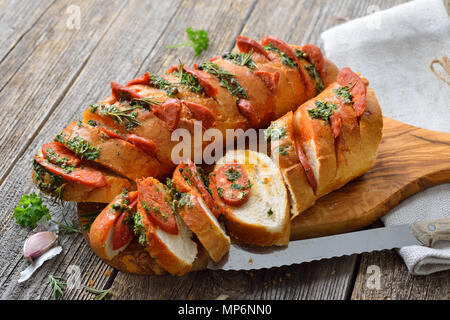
x: 100, y: 294
x: 57, y: 285
x: 225, y: 78
x: 127, y: 115
x: 241, y: 59
x: 187, y: 79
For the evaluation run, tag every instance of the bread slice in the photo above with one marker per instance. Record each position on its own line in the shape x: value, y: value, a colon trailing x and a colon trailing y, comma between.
x: 282, y: 146
x: 264, y: 219
x: 201, y: 221
x: 174, y: 252
x: 108, y: 222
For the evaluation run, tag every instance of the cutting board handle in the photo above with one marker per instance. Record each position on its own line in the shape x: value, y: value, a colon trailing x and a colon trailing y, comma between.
x: 429, y: 232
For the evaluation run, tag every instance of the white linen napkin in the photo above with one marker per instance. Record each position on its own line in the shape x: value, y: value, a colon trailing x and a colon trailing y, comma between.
x: 392, y: 49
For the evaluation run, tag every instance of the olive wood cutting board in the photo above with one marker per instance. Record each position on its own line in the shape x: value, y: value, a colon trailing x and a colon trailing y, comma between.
x: 409, y: 160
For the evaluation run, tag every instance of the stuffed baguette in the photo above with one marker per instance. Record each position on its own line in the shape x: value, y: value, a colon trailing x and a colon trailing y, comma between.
x: 129, y: 133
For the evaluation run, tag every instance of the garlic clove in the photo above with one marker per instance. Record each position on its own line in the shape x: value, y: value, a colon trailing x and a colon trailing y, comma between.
x: 37, y: 244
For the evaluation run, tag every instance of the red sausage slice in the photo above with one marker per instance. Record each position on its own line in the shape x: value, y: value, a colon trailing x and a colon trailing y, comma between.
x: 233, y: 185
x: 270, y: 79
x: 145, y: 79
x: 169, y: 112
x: 119, y: 92
x: 289, y: 51
x: 248, y: 111
x: 153, y: 203
x: 201, y: 113
x: 123, y: 234
x: 245, y: 44
x: 306, y: 166
x: 204, y: 80
x: 315, y: 56
x: 55, y: 151
x: 142, y: 143
x: 347, y: 77
x: 84, y: 175
x: 336, y: 122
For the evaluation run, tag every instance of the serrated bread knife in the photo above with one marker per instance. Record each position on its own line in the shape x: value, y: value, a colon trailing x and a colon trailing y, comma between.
x: 242, y: 257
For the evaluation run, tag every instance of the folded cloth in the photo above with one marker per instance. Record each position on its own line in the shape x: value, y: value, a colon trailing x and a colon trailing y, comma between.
x: 393, y: 49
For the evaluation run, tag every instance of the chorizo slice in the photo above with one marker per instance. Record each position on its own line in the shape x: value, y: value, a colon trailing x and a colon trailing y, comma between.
x: 169, y: 112
x: 347, y: 77
x: 84, y: 175
x: 145, y: 79
x: 245, y: 44
x: 201, y: 113
x: 232, y: 183
x: 154, y: 202
x: 315, y: 56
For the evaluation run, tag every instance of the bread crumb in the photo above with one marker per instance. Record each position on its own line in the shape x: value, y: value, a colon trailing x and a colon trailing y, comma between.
x: 250, y: 260
x: 191, y: 298
x: 91, y: 282
x: 222, y: 297
x: 107, y: 273
x: 288, y: 275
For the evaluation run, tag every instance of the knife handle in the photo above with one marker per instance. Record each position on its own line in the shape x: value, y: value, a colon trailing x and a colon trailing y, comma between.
x: 429, y: 232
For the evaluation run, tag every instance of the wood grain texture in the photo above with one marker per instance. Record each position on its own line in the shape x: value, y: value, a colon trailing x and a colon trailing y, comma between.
x: 111, y: 59
x: 395, y: 281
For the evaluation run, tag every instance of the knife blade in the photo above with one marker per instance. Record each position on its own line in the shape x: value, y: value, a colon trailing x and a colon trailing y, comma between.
x: 245, y: 257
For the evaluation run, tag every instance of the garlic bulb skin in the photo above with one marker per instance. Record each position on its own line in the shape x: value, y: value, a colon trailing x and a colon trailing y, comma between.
x: 37, y: 244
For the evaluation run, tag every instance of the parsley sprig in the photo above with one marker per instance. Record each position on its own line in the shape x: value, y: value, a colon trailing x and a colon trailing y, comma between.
x: 30, y: 210
x: 198, y: 40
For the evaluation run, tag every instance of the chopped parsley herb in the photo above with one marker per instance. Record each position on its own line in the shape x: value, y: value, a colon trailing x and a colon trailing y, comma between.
x: 93, y: 107
x: 184, y: 200
x: 323, y: 110
x: 300, y: 54
x: 149, y: 206
x: 47, y: 181
x: 284, y: 58
x: 241, y: 59
x: 139, y: 229
x: 60, y: 138
x: 344, y: 93
x: 162, y: 84
x: 282, y: 150
x: 54, y: 158
x: 198, y: 40
x: 30, y: 210
x: 92, y: 123
x: 312, y: 71
x: 237, y: 186
x: 274, y: 133
x: 270, y: 212
x: 225, y: 78
x: 83, y: 148
x: 232, y: 174
x: 126, y: 116
x: 220, y: 192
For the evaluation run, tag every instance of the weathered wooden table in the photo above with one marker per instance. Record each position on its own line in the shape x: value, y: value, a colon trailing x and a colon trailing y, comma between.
x: 57, y: 57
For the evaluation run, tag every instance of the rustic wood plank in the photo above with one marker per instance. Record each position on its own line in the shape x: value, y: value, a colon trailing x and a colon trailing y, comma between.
x: 395, y: 281
x: 316, y: 280
x: 16, y: 23
x: 117, y: 57
x: 40, y: 69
